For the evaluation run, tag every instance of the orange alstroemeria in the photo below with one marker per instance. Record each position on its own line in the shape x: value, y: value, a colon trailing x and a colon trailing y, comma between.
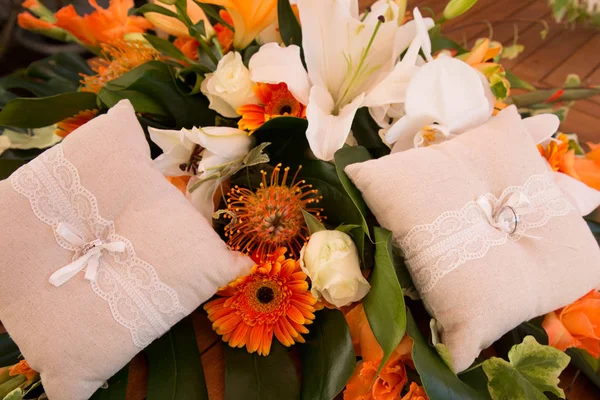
x: 576, y: 325
x: 175, y: 27
x: 22, y: 368
x: 103, y: 25
x: 562, y: 159
x: 392, y: 378
x: 250, y: 18
x: 415, y: 392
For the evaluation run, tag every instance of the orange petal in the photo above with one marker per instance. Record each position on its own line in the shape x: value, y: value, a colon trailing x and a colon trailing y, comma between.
x: 477, y: 55
x: 31, y: 23
x: 256, y: 336
x: 558, y: 335
x: 265, y: 346
x: 295, y: 315
x: 282, y: 335
x: 592, y: 346
x: 588, y: 172
x: 579, y: 325
x: 238, y: 339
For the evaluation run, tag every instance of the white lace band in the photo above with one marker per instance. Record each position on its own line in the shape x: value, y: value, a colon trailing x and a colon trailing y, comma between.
x: 455, y: 237
x: 138, y: 300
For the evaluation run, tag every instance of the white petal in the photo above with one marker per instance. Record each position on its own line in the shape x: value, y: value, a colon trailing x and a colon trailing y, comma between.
x: 423, y: 33
x: 276, y: 64
x: 326, y: 132
x: 585, y: 198
x: 405, y: 129
x: 226, y: 142
x: 167, y: 139
x: 541, y: 127
x: 216, y: 103
x: 168, y: 163
x: 413, y: 31
x: 202, y: 197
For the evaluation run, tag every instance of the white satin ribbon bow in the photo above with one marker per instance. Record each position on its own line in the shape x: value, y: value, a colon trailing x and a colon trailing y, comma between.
x: 90, y: 259
x: 507, y: 215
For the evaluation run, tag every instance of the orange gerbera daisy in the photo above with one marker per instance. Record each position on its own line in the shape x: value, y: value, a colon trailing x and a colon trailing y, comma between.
x: 104, y: 25
x: 275, y: 101
x: 555, y: 151
x: 271, y: 217
x: 22, y: 368
x: 66, y: 126
x: 118, y: 58
x: 273, y: 299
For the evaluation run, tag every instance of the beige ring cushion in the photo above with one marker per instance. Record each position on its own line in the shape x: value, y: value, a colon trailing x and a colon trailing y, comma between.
x: 158, y: 258
x: 451, y: 208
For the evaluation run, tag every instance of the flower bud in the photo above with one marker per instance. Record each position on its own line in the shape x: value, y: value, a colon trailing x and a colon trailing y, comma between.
x: 330, y: 259
x: 456, y: 8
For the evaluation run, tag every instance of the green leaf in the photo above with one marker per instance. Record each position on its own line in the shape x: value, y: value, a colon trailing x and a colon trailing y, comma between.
x: 384, y: 305
x: 541, y: 96
x: 441, y: 42
x: 589, y: 365
x: 289, y: 27
x: 7, y: 167
x: 175, y: 369
x: 117, y: 387
x: 253, y: 377
x: 141, y: 102
x: 366, y: 133
x: 328, y: 358
x: 148, y: 8
x: 16, y: 394
x: 439, y: 381
x: 165, y: 47
x: 288, y: 138
x: 518, y: 83
x: 9, y: 352
x: 314, y: 225
x: 41, y: 112
x: 343, y: 158
x: 11, y: 385
x: 533, y: 369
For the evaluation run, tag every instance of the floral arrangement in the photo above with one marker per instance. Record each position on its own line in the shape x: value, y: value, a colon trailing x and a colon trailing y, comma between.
x: 252, y: 109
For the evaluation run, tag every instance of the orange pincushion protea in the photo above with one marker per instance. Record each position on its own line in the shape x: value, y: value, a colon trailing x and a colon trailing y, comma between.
x: 118, y: 58
x: 66, y: 126
x: 275, y: 101
x: 273, y: 299
x: 271, y: 217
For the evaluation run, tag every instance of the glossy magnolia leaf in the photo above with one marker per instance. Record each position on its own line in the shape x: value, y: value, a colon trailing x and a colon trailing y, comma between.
x: 337, y: 206
x: 155, y: 80
x: 441, y: 42
x: 366, y: 133
x: 165, y: 47
x: 141, y: 102
x: 45, y: 111
x: 532, y: 369
x: 287, y: 136
x: 289, y: 27
x: 384, y: 305
x: 328, y: 358
x: 343, y: 158
x: 175, y: 369
x: 253, y: 377
x: 439, y: 381
x: 314, y: 225
x: 589, y: 365
x: 116, y: 387
x: 9, y: 352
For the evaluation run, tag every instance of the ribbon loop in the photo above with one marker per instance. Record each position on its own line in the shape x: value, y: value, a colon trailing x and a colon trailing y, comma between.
x: 506, y: 216
x: 90, y: 258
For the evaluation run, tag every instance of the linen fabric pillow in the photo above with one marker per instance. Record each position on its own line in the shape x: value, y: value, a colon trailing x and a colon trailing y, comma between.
x: 452, y: 207
x: 96, y: 199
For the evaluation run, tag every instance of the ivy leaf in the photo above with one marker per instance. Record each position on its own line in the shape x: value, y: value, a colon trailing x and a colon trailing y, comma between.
x: 328, y: 358
x: 532, y: 369
x: 384, y: 305
x: 253, y: 377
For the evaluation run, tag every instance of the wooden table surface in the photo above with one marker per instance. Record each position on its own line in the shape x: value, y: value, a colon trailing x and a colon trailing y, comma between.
x: 545, y: 63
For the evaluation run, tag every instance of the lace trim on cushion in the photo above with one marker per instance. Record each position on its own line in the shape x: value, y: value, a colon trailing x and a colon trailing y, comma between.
x: 455, y: 237
x: 137, y: 298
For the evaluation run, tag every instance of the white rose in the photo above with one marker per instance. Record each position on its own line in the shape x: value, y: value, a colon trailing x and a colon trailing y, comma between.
x: 330, y: 259
x: 229, y: 87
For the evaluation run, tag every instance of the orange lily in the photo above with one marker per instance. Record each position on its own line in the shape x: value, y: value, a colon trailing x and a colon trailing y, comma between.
x: 585, y: 169
x: 175, y: 27
x: 104, y: 25
x: 250, y: 18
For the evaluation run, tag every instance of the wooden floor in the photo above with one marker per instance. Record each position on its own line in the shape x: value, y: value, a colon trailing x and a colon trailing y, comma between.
x: 545, y: 63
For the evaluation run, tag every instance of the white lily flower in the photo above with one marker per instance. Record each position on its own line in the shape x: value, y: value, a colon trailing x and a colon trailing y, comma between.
x: 203, y: 153
x: 586, y: 199
x: 348, y: 61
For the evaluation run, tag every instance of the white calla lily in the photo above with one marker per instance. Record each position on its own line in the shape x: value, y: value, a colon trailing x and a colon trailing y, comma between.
x: 203, y: 153
x: 350, y: 63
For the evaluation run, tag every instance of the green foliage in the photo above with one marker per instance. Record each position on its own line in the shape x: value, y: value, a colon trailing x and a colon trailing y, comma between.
x: 148, y: 8
x: 117, y: 387
x: 441, y: 42
x: 532, y: 369
x: 314, y: 225
x: 45, y: 111
x: 9, y: 352
x: 439, y: 381
x: 165, y: 47
x: 287, y: 136
x: 328, y: 358
x: 289, y: 27
x: 384, y: 305
x: 518, y: 83
x: 175, y: 368
x: 343, y: 158
x: 253, y: 377
x: 366, y: 133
